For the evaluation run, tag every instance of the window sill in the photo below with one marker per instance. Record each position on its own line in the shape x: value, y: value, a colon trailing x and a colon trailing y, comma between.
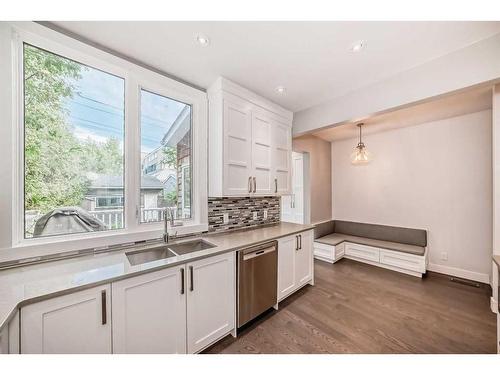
x: 51, y: 245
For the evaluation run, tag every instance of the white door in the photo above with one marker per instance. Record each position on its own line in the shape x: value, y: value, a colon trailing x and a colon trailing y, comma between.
x: 293, y: 205
x: 262, y: 174
x: 71, y: 324
x: 211, y: 300
x: 237, y: 147
x: 286, y: 265
x: 281, y: 155
x: 149, y: 313
x: 304, y: 259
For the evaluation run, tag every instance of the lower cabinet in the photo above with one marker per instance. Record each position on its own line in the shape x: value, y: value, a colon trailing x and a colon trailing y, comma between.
x: 175, y: 310
x: 295, y: 263
x: 211, y: 300
x: 149, y: 313
x: 74, y: 323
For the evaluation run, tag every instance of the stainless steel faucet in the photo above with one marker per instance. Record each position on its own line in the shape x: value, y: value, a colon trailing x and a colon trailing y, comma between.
x: 169, y: 218
x: 167, y: 212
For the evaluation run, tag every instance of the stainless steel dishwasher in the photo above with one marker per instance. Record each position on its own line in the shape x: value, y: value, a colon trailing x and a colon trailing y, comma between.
x: 257, y: 280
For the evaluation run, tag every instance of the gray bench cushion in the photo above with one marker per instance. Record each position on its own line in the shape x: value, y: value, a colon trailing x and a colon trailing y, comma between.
x: 337, y: 238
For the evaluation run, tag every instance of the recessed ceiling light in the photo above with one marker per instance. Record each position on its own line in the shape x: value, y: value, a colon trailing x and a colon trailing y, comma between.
x: 358, y: 46
x: 280, y: 90
x: 203, y: 40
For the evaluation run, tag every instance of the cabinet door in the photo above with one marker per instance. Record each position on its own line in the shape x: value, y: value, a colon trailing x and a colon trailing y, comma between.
x: 75, y: 323
x: 149, y: 313
x: 261, y: 154
x: 211, y: 300
x: 304, y: 259
x: 237, y: 148
x: 281, y: 156
x: 286, y: 265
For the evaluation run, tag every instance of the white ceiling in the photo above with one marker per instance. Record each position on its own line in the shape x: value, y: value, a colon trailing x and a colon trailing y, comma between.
x: 470, y: 101
x: 311, y: 59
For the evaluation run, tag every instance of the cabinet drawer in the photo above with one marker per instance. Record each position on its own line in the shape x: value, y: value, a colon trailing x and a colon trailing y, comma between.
x: 324, y: 251
x: 402, y: 260
x: 362, y: 252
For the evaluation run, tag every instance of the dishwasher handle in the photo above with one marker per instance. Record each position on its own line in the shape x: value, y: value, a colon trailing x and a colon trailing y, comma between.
x: 258, y: 252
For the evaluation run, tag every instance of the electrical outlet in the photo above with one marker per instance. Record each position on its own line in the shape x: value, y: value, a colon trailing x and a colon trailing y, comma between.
x: 255, y: 215
x: 225, y: 218
x: 265, y: 214
x: 444, y: 256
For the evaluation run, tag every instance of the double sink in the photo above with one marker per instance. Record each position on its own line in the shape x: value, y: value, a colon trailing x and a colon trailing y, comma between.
x: 167, y: 251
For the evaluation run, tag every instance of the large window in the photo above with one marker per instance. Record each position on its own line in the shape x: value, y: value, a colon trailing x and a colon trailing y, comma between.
x: 166, y: 153
x: 105, y: 147
x: 73, y: 146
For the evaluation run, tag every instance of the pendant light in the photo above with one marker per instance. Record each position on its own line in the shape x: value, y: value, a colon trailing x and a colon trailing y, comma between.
x: 360, y: 154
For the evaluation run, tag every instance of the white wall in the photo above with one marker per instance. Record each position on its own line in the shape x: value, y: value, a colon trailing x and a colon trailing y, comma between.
x: 320, y: 175
x: 467, y: 67
x: 435, y: 176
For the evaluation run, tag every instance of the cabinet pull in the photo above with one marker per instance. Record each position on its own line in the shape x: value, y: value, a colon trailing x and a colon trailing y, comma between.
x: 182, y: 280
x: 191, y: 287
x: 275, y: 185
x: 296, y: 243
x: 249, y: 184
x: 103, y: 308
x: 254, y: 184
x: 300, y: 242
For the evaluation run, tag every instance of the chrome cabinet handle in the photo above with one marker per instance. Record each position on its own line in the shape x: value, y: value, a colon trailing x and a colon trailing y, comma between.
x: 275, y: 185
x: 191, y: 287
x: 182, y: 280
x: 254, y: 184
x: 249, y: 184
x: 103, y: 308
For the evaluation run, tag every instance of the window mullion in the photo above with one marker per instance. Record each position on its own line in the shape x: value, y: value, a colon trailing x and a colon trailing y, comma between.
x: 132, y: 154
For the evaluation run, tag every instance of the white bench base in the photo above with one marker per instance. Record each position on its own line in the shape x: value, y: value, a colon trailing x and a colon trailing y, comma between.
x: 410, y: 264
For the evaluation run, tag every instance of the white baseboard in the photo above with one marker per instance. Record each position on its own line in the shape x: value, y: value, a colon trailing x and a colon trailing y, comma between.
x: 458, y: 272
x: 494, y: 305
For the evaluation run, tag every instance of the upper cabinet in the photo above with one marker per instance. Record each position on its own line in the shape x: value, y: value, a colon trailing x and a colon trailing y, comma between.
x: 250, y: 143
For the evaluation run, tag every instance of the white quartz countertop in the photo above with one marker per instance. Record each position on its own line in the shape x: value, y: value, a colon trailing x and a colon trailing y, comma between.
x: 23, y: 285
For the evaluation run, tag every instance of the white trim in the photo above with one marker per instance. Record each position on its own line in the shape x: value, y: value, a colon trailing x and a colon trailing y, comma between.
x: 459, y: 272
x: 228, y: 86
x: 493, y: 305
x: 135, y: 77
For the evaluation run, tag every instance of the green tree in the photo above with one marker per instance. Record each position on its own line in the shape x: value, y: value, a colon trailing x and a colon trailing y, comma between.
x: 170, y: 156
x: 52, y: 153
x: 105, y: 158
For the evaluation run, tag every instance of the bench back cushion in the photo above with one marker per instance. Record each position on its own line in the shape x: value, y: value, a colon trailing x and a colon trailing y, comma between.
x: 409, y: 236
x: 323, y: 229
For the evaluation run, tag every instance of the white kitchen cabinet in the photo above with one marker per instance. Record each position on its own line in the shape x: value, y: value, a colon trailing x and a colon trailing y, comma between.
x: 237, y: 147
x: 286, y: 265
x: 249, y: 143
x: 262, y: 153
x: 281, y: 155
x: 295, y: 263
x: 304, y: 259
x: 211, y: 300
x: 74, y: 323
x: 149, y: 313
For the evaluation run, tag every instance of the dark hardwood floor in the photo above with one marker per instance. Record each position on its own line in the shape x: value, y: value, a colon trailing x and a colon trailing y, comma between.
x: 357, y: 308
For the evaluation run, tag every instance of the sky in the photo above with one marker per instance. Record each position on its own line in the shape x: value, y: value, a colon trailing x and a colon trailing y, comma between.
x: 96, y: 110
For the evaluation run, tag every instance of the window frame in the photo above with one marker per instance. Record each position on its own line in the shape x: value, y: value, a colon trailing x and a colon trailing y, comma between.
x: 136, y: 78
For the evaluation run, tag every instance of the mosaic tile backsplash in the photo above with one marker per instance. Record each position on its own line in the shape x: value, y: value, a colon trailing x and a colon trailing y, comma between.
x: 240, y: 211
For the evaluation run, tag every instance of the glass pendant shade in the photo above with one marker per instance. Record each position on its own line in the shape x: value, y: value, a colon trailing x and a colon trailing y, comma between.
x: 360, y: 155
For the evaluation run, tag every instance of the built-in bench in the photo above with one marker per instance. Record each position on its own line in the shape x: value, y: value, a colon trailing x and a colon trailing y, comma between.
x: 395, y: 248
